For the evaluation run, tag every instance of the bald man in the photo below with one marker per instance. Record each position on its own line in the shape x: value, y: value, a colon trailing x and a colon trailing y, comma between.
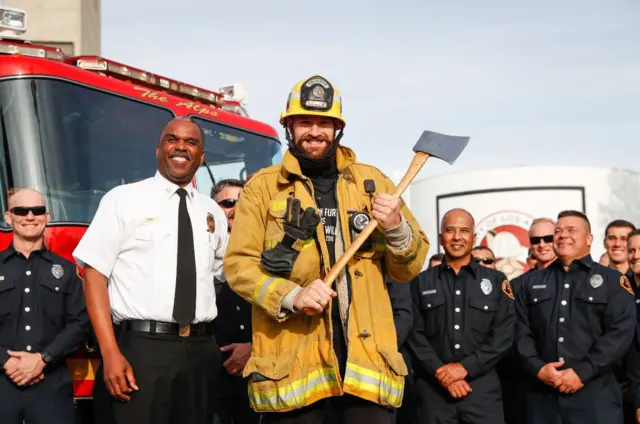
x: 43, y: 319
x: 464, y: 319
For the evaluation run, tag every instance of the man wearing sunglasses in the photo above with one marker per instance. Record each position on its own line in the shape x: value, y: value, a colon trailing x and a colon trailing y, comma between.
x: 541, y: 240
x: 232, y: 329
x: 43, y: 319
x: 575, y: 321
x: 464, y: 319
x: 484, y: 256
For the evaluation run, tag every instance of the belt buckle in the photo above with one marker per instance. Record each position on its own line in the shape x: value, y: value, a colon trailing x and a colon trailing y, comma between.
x: 185, y: 331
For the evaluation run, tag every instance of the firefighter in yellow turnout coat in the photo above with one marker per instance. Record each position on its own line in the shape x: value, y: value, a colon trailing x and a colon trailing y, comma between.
x: 275, y: 263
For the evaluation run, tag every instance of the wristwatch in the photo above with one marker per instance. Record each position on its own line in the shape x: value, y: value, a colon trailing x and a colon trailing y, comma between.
x: 46, y: 358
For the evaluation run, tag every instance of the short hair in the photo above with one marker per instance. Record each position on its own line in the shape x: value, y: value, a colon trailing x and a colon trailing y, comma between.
x: 618, y: 223
x: 185, y: 119
x: 222, y: 184
x: 576, y: 214
x: 541, y: 220
x: 473, y: 221
x: 633, y: 233
x: 476, y: 248
x: 436, y: 257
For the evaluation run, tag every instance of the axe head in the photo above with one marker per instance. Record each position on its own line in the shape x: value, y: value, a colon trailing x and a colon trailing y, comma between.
x: 445, y: 147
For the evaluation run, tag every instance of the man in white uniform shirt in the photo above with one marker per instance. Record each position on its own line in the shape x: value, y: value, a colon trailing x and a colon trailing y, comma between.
x: 150, y: 257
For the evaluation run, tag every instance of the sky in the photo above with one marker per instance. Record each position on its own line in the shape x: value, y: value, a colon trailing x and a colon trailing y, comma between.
x: 533, y: 83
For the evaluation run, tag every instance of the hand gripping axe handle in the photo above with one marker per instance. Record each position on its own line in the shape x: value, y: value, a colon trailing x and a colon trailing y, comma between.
x: 445, y: 147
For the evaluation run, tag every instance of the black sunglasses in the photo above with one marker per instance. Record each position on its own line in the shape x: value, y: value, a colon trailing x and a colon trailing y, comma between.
x: 486, y: 261
x: 536, y: 240
x: 24, y: 210
x: 228, y: 203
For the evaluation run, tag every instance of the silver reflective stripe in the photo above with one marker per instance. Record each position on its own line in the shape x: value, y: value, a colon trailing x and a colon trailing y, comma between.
x: 374, y: 381
x: 295, y: 393
x: 264, y: 288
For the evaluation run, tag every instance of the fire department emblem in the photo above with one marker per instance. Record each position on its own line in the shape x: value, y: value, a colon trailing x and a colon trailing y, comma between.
x: 486, y: 286
x: 506, y: 233
x: 596, y: 281
x: 57, y: 271
x: 211, y: 223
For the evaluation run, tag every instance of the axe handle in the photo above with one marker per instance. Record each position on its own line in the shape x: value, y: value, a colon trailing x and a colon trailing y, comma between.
x: 416, y: 164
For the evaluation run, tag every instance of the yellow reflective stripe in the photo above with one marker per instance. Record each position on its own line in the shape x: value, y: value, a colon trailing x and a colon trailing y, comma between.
x: 374, y: 382
x: 296, y: 393
x: 268, y: 244
x: 266, y: 285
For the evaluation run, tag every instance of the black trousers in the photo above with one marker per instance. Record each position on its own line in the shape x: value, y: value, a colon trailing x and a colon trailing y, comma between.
x: 48, y: 402
x: 176, y: 377
x: 234, y: 410
x: 598, y: 402
x: 345, y: 409
x: 482, y: 406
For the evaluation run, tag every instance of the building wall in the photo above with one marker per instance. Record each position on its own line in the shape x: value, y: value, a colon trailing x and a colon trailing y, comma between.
x: 72, y: 25
x: 506, y: 200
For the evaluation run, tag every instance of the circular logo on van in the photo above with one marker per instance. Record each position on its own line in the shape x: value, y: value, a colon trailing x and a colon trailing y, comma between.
x: 506, y: 233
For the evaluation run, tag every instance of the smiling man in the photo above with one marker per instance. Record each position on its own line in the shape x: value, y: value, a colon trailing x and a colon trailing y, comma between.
x: 615, y: 242
x: 43, y: 319
x: 575, y: 320
x: 464, y: 325
x: 150, y: 256
x: 314, y: 344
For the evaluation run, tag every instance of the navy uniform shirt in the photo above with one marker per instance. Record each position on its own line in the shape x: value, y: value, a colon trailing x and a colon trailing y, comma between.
x: 232, y: 325
x: 585, y: 317
x: 467, y: 318
x: 42, y: 306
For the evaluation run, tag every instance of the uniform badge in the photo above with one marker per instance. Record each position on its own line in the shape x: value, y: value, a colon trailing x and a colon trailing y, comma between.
x: 596, y: 281
x: 624, y: 282
x: 57, y: 271
x: 211, y: 224
x: 506, y: 289
x: 486, y: 286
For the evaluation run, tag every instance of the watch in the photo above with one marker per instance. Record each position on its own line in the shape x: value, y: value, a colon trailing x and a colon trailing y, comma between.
x: 46, y: 358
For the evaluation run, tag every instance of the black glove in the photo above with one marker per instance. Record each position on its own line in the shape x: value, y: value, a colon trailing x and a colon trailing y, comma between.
x: 297, y: 230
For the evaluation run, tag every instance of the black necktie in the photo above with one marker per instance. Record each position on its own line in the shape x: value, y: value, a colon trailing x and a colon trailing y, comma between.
x: 184, y: 306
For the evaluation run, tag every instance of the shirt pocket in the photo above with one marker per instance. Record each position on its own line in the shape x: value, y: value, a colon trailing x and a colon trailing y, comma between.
x: 540, y: 306
x: 591, y: 304
x: 53, y: 295
x: 481, y: 312
x: 7, y: 298
x: 432, y: 306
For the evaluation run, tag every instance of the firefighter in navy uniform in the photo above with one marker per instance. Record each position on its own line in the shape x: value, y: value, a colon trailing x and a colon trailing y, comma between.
x: 43, y: 319
x: 232, y: 328
x: 463, y: 327
x: 575, y: 320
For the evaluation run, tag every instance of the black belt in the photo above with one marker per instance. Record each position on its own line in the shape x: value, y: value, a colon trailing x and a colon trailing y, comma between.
x: 158, y: 327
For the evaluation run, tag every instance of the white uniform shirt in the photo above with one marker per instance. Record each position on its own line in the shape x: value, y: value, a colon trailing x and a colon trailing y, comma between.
x: 133, y: 240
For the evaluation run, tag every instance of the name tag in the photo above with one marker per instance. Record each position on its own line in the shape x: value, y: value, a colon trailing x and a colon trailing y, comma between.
x: 426, y: 292
x: 1, y: 277
x: 539, y: 286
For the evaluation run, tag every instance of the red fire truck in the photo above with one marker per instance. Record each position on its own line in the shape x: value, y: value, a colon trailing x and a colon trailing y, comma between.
x: 73, y: 128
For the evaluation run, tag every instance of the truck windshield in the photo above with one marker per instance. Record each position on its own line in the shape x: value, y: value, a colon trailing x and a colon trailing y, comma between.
x: 74, y: 143
x: 233, y: 153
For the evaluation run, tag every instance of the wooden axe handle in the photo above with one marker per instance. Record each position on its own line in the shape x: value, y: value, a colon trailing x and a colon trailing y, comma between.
x: 416, y: 164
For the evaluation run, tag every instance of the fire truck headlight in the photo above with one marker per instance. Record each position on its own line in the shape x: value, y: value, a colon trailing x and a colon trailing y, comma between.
x: 12, y: 19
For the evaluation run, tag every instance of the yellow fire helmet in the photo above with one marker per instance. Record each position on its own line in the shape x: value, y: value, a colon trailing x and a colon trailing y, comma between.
x: 314, y: 96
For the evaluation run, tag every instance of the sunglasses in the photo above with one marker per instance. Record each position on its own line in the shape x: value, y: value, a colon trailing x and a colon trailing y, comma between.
x: 536, y: 240
x: 486, y: 261
x: 24, y: 210
x: 228, y: 203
